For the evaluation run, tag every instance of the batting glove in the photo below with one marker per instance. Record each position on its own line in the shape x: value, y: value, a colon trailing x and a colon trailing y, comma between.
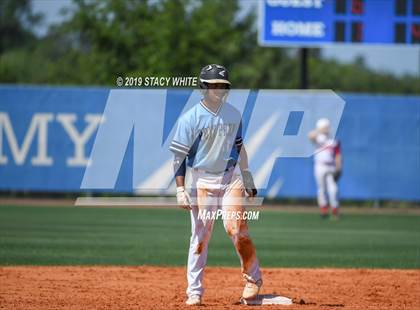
x: 183, y: 198
x: 248, y: 181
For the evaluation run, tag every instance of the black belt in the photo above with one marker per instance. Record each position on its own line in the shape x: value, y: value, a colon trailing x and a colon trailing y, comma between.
x: 212, y: 172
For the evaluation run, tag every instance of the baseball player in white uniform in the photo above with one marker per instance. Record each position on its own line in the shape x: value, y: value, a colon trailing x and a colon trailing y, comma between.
x: 327, y: 167
x: 208, y: 139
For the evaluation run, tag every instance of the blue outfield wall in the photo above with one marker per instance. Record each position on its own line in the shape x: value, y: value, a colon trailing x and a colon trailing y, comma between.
x: 380, y: 137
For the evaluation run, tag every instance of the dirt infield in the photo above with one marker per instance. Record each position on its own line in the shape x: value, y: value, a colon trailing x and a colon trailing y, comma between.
x: 163, y: 288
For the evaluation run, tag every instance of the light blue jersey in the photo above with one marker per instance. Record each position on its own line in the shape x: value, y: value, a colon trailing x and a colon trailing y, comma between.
x: 209, y: 140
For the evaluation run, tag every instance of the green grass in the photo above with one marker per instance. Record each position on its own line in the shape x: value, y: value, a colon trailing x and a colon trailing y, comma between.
x: 86, y: 236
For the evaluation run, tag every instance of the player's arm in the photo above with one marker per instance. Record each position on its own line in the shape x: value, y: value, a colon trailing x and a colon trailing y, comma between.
x: 246, y: 174
x: 243, y: 158
x: 312, y: 135
x: 337, y: 156
x: 180, y: 146
x: 180, y: 180
x: 338, y: 161
x: 247, y: 178
x: 180, y: 168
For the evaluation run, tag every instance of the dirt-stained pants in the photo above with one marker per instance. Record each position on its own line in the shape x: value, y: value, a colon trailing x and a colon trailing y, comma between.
x: 227, y: 189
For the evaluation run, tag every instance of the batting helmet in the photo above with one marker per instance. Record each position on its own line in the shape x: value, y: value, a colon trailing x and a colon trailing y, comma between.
x: 212, y: 74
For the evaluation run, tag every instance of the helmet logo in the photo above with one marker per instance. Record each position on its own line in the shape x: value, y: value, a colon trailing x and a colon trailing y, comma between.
x: 222, y: 73
x: 209, y: 67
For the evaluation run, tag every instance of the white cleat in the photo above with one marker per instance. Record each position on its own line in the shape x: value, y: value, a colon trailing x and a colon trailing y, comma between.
x: 193, y: 300
x: 251, y: 289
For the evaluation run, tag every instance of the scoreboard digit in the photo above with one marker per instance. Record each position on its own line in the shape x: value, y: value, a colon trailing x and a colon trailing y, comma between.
x: 408, y: 31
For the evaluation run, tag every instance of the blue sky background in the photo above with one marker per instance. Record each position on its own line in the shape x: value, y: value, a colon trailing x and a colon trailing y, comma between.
x: 397, y: 60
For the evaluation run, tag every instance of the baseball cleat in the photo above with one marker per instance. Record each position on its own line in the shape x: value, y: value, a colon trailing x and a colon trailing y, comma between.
x: 324, y: 212
x: 193, y: 300
x: 335, y: 215
x: 251, y: 289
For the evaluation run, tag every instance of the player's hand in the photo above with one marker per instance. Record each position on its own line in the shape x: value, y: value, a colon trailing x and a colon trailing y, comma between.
x: 183, y: 198
x: 337, y: 175
x: 249, y: 183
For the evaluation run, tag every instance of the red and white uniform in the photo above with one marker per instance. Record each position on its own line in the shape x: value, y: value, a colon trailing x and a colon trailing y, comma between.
x: 326, y: 151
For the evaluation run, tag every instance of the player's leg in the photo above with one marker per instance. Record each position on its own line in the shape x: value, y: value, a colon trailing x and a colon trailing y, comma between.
x: 201, y: 230
x: 320, y: 178
x: 237, y: 229
x: 332, y: 190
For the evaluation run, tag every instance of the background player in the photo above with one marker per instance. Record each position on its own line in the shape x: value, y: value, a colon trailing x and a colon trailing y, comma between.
x: 327, y: 167
x: 208, y: 139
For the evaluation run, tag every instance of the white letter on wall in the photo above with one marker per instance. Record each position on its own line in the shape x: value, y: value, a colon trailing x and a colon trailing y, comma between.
x: 79, y: 139
x: 39, y: 123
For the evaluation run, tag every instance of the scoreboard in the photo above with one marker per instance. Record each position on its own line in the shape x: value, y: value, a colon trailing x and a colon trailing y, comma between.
x: 318, y: 22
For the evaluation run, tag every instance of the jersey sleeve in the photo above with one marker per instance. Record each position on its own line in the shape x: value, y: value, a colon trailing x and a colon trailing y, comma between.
x: 238, y: 139
x: 183, y: 138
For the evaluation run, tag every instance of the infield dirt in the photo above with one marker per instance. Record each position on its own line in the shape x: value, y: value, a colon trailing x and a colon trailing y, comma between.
x: 148, y: 287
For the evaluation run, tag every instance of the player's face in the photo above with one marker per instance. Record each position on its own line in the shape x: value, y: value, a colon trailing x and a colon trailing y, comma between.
x: 216, y: 92
x: 325, y: 130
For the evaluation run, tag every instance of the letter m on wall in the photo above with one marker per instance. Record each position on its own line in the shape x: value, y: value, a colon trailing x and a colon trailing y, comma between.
x: 38, y: 128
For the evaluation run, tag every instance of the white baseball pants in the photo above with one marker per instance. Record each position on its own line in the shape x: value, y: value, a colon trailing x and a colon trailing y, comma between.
x: 222, y: 188
x: 327, y: 187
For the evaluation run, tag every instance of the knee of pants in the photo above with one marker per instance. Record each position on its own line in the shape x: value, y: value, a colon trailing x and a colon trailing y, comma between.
x: 332, y: 189
x: 200, y: 241
x: 321, y: 197
x: 202, y: 229
x: 321, y: 191
x: 237, y: 229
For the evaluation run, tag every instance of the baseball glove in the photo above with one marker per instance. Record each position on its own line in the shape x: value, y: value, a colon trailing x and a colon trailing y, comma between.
x: 337, y: 175
x: 248, y: 181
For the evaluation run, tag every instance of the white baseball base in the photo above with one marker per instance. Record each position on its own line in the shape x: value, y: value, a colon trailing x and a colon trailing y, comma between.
x: 268, y: 300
